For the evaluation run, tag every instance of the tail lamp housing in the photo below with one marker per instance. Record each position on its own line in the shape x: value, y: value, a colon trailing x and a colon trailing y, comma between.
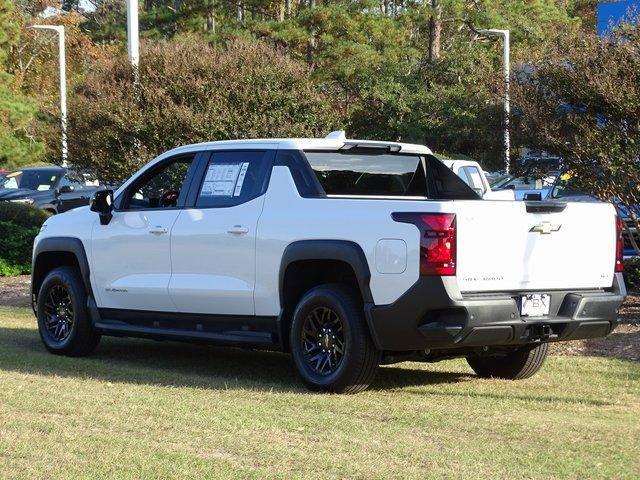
x: 619, y: 265
x: 437, y: 241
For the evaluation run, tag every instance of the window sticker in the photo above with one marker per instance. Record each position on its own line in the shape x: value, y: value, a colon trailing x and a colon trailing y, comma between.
x: 224, y: 180
x: 241, y: 175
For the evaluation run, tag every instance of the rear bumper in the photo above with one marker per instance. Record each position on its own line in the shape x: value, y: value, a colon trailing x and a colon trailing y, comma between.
x: 433, y: 314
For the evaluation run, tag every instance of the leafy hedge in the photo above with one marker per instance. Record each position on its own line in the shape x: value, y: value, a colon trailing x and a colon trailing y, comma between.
x: 632, y: 273
x: 19, y: 224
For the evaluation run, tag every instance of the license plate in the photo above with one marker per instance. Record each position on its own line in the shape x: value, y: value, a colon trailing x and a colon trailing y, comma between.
x: 535, y: 305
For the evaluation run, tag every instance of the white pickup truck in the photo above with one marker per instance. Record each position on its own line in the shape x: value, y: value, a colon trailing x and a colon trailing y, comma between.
x: 473, y: 175
x: 347, y: 253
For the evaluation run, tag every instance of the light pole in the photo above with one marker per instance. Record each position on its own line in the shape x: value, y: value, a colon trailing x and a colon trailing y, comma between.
x: 133, y: 34
x: 63, y: 84
x: 505, y: 70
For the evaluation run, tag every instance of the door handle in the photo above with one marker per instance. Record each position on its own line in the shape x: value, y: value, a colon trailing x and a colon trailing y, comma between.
x: 238, y: 230
x: 158, y: 230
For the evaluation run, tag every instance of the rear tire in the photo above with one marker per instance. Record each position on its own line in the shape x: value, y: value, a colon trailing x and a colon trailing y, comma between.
x: 63, y: 321
x: 330, y: 341
x: 523, y: 363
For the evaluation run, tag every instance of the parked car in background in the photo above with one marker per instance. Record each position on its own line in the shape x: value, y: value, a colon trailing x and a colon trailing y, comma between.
x: 564, y: 189
x: 55, y: 189
x: 473, y: 175
x: 528, y: 185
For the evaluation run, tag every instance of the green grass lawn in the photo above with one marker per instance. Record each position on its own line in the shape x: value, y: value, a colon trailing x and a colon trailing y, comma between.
x: 143, y: 409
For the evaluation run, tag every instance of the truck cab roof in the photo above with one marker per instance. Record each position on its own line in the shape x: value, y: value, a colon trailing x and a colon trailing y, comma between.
x: 333, y: 141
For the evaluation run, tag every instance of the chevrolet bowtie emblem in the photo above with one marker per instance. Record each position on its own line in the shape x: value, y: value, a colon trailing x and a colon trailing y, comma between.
x: 545, y: 228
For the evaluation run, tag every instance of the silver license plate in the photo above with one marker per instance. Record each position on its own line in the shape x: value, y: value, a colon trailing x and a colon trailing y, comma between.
x: 535, y: 305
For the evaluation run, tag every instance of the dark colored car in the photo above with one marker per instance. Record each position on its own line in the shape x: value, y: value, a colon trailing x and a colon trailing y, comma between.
x: 55, y: 189
x: 564, y: 189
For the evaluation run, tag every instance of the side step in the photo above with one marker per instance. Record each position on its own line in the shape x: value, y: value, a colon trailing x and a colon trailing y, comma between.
x: 232, y: 337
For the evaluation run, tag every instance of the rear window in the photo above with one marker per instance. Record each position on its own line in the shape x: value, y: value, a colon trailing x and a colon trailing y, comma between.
x: 369, y: 174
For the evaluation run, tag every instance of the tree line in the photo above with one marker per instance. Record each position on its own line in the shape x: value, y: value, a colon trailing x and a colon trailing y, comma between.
x: 411, y: 70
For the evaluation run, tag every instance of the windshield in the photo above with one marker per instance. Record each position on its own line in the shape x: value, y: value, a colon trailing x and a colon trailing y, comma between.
x: 525, y: 183
x: 38, y: 180
x: 566, y: 187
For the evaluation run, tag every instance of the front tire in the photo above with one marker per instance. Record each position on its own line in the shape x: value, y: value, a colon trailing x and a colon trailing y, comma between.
x: 63, y: 320
x: 330, y: 342
x: 523, y: 363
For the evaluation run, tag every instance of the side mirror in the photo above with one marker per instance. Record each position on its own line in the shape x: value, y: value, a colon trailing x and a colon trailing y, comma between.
x: 65, y: 189
x: 509, y: 187
x: 536, y: 197
x: 102, y: 204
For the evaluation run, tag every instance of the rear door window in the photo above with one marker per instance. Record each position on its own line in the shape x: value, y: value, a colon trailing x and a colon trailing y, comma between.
x: 234, y: 177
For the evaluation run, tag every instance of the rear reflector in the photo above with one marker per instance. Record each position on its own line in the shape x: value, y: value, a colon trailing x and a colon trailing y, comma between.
x: 437, y: 241
x: 619, y: 245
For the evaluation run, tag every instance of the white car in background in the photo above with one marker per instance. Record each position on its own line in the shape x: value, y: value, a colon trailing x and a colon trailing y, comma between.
x: 472, y: 174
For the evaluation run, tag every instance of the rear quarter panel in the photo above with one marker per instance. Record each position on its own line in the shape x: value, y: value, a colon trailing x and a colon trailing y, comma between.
x: 287, y: 218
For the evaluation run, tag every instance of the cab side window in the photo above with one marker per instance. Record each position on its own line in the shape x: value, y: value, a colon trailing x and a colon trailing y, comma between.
x: 475, y: 177
x: 73, y: 180
x: 232, y: 178
x: 162, y: 187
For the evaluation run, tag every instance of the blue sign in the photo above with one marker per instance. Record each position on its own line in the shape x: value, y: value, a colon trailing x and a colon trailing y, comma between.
x: 612, y: 14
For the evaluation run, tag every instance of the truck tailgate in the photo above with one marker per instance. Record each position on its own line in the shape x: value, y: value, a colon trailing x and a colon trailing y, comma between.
x: 503, y: 247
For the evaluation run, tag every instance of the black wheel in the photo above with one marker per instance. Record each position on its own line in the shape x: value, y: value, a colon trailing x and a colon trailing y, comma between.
x: 523, y: 363
x: 330, y: 341
x: 63, y: 320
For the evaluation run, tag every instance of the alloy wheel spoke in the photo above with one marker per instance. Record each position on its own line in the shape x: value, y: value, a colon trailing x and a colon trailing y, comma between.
x: 322, y: 341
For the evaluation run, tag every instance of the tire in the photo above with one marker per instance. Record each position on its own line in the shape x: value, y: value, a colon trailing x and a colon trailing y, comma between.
x: 351, y: 371
x: 63, y: 320
x: 523, y: 363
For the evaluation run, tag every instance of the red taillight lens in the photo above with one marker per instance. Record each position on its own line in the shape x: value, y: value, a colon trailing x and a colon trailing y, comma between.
x: 619, y: 245
x: 437, y: 241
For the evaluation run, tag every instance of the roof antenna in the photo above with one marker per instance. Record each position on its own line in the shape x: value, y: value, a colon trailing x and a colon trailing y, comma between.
x: 337, y: 135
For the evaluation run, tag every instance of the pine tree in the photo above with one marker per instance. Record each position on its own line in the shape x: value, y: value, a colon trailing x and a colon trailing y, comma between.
x: 16, y: 111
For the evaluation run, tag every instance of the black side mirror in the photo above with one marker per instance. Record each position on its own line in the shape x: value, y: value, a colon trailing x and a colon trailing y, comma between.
x: 65, y: 189
x: 536, y: 197
x: 102, y: 203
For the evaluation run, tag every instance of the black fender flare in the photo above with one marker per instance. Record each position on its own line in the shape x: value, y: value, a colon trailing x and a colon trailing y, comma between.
x: 342, y: 250
x: 62, y: 244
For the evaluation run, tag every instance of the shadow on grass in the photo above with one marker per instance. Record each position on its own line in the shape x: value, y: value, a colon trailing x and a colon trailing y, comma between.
x: 175, y: 364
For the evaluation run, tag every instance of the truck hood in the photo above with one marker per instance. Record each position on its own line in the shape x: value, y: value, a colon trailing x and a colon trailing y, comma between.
x: 17, y: 194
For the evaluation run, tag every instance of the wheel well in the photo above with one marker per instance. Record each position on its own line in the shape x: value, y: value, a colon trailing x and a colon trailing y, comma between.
x: 47, y: 261
x: 50, y: 210
x: 301, y: 276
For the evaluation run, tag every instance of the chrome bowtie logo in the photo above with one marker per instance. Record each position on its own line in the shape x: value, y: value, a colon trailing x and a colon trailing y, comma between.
x: 545, y: 228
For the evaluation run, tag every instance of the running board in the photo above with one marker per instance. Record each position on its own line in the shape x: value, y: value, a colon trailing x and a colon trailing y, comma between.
x: 228, y: 337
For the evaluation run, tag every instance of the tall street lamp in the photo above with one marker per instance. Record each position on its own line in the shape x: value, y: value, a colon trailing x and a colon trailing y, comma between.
x: 505, y: 69
x: 133, y: 33
x: 63, y: 84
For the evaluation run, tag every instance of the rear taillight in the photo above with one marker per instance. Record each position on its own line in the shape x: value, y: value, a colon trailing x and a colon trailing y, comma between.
x: 437, y: 241
x: 619, y: 245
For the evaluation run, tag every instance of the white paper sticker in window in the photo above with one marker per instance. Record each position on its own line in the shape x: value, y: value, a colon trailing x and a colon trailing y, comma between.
x: 224, y: 180
x: 241, y: 175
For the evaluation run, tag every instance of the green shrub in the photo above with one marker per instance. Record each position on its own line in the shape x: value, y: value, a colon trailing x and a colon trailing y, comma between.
x: 19, y: 224
x: 632, y: 273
